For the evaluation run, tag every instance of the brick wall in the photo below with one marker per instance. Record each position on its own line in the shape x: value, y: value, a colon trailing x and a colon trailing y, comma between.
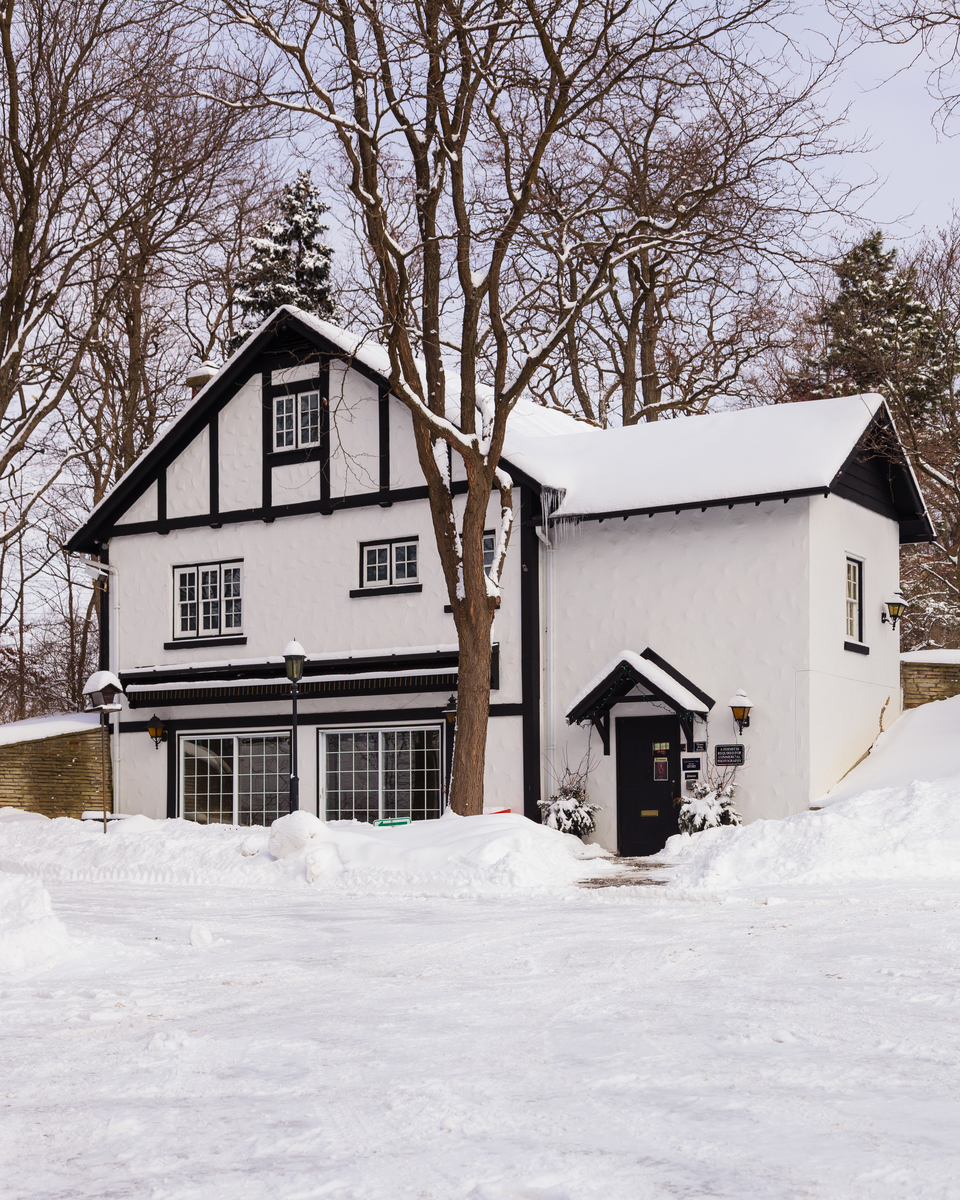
x: 926, y: 681
x: 57, y: 776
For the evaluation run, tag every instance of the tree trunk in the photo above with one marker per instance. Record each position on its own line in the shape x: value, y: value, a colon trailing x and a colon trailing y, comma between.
x: 473, y: 713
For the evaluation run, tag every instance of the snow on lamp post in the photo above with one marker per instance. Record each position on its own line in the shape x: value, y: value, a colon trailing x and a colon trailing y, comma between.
x: 293, y: 656
x: 740, y: 706
x: 102, y: 690
x: 894, y: 611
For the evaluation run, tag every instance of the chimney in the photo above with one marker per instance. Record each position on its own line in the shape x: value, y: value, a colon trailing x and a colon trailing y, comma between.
x: 199, y: 377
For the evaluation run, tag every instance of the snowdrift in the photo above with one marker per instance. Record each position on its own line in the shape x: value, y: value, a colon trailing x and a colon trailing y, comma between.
x: 896, y: 816
x: 451, y: 856
x: 29, y: 932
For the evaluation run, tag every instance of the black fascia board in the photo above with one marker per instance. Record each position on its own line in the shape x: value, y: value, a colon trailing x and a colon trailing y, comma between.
x: 431, y: 661
x: 217, y: 393
x: 611, y: 689
x: 703, y: 505
x: 653, y: 657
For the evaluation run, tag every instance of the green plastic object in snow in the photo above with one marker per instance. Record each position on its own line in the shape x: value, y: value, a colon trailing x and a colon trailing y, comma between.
x: 395, y: 821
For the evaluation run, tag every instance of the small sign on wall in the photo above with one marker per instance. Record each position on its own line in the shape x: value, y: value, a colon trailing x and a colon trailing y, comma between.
x: 728, y: 756
x: 691, y: 764
x: 661, y: 772
x: 699, y: 747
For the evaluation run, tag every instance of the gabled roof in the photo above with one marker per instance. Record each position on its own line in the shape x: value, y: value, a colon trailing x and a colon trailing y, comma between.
x: 765, y: 453
x: 628, y: 670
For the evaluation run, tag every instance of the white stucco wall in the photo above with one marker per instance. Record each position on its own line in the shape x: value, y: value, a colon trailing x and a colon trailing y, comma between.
x: 354, y: 432
x: 142, y: 509
x: 188, y: 479
x: 241, y: 451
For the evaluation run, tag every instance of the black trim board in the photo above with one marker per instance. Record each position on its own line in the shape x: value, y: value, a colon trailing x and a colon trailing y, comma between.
x: 361, y: 716
x: 856, y: 647
x: 204, y: 643
x: 530, y: 518
x: 653, y: 657
x: 397, y: 589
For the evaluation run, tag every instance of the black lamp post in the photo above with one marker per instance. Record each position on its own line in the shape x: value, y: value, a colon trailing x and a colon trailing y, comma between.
x: 293, y: 656
x: 102, y: 690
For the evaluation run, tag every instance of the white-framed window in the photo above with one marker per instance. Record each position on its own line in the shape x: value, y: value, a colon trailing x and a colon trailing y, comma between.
x: 372, y: 774
x: 234, y: 779
x: 385, y: 564
x: 208, y: 599
x: 854, y: 600
x: 296, y: 421
x: 489, y: 547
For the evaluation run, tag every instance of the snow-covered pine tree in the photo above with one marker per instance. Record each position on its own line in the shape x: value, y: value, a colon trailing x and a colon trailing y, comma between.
x: 879, y: 335
x: 290, y: 263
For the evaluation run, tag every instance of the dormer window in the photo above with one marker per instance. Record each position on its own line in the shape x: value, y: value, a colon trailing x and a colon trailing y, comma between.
x: 296, y: 421
x: 208, y: 600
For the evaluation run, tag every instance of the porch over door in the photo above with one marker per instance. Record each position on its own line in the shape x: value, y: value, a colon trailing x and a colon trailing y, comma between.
x: 648, y: 783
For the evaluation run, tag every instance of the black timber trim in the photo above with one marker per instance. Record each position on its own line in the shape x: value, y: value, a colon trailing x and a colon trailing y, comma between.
x: 384, y: 432
x: 530, y: 518
x: 163, y: 524
x: 103, y: 612
x: 173, y: 764
x: 213, y: 445
x: 360, y: 716
x: 856, y: 647
x: 278, y: 691
x: 204, y: 643
x: 266, y: 448
x: 703, y: 505
x: 397, y: 589
x: 652, y: 656
x: 303, y: 454
x: 300, y: 509
x: 325, y: 437
x: 282, y: 326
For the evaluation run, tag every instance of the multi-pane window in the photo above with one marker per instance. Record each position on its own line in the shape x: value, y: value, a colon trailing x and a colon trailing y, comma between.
x: 208, y: 600
x: 489, y: 546
x: 378, y: 773
x: 296, y: 421
x: 386, y: 563
x: 235, y: 780
x: 854, y: 599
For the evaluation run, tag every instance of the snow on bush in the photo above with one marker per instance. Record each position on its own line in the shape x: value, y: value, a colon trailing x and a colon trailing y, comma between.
x: 568, y: 810
x: 709, y: 806
x: 450, y: 856
x: 29, y: 932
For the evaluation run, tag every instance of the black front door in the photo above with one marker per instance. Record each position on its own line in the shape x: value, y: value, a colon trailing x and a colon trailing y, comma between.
x: 648, y: 782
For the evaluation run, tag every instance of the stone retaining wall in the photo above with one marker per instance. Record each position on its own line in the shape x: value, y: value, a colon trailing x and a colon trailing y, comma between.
x: 58, y: 776
x: 926, y: 681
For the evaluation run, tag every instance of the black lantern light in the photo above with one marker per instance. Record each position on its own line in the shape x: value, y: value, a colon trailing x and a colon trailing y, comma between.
x: 102, y: 689
x: 894, y: 611
x: 740, y: 706
x: 450, y: 712
x: 293, y: 656
x: 157, y: 731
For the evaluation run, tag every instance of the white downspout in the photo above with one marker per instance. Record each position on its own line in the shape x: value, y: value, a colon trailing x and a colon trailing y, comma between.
x: 96, y: 569
x: 548, y: 724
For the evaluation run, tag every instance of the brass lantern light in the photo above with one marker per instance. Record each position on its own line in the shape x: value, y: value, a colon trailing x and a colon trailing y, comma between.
x: 450, y: 712
x: 157, y: 730
x: 893, y: 611
x: 740, y: 706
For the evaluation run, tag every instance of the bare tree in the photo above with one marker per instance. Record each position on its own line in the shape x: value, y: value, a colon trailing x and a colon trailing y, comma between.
x: 445, y: 114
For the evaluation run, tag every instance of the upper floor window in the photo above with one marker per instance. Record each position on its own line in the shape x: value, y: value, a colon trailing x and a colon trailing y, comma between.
x: 384, y: 564
x: 208, y: 599
x: 854, y: 600
x: 489, y: 546
x: 296, y: 421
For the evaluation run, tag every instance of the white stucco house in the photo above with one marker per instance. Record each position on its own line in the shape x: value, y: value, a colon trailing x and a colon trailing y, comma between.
x: 653, y: 571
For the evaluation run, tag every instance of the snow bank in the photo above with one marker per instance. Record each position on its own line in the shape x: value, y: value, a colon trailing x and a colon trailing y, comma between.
x: 896, y: 816
x: 29, y: 932
x: 35, y: 728
x: 923, y: 743
x: 450, y: 856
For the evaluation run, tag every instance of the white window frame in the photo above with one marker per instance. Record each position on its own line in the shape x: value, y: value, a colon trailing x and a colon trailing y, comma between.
x: 323, y: 732
x: 853, y: 561
x: 222, y: 734
x: 221, y: 629
x: 391, y: 545
x: 489, y: 550
x: 296, y: 402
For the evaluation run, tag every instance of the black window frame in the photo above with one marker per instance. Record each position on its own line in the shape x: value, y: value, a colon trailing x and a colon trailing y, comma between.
x: 391, y: 582
x: 222, y: 631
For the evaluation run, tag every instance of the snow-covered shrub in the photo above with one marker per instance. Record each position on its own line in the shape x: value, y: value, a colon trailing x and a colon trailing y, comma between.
x: 711, y: 804
x: 568, y: 809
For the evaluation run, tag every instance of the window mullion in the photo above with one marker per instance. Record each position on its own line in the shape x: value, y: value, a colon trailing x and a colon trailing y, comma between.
x: 380, y: 753
x: 236, y: 780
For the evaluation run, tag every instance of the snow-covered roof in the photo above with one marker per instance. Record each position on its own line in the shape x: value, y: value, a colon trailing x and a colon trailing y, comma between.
x: 728, y: 455
x: 649, y: 673
x: 945, y: 657
x: 35, y: 728
x: 386, y: 653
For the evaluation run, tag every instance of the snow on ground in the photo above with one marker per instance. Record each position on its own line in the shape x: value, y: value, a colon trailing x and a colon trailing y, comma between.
x: 29, y: 932
x: 35, y: 728
x: 894, y: 817
x: 452, y: 856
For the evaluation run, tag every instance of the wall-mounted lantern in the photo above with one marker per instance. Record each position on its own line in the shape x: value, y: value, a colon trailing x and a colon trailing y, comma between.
x: 450, y: 712
x: 157, y: 730
x: 740, y: 706
x: 892, y: 612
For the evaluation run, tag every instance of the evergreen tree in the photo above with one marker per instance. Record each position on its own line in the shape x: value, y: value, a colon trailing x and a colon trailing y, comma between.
x: 879, y: 336
x: 290, y: 262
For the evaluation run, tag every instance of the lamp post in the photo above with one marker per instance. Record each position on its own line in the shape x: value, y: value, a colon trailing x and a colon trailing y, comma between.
x: 740, y: 706
x: 293, y: 656
x: 102, y: 689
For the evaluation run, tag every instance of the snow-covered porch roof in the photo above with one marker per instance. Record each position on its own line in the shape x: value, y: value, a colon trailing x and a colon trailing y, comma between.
x: 656, y: 678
